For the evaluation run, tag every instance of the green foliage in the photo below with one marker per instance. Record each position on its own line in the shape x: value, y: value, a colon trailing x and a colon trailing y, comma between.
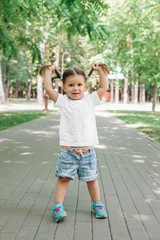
x: 91, y: 30
x: 27, y: 23
x: 136, y: 32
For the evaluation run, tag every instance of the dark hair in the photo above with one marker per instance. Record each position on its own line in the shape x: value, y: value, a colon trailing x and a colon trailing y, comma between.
x: 73, y: 71
x: 43, y: 68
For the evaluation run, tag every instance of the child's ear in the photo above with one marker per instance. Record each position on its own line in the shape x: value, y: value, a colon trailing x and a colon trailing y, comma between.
x: 64, y: 87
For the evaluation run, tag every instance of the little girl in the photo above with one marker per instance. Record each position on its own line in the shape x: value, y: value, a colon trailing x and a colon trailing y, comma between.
x: 78, y: 133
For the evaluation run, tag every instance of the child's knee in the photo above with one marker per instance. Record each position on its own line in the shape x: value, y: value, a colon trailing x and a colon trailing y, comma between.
x: 64, y: 179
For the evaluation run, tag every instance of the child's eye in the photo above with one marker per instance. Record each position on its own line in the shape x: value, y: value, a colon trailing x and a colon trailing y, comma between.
x: 79, y: 84
x: 70, y: 85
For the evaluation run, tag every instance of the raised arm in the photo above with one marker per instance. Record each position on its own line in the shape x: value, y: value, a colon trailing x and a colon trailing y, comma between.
x: 103, y: 80
x: 48, y: 84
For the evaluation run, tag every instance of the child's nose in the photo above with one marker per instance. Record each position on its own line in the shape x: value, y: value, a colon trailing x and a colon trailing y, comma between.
x: 75, y: 87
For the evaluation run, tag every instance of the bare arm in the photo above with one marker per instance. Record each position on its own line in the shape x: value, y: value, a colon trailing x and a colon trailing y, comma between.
x: 103, y: 80
x: 48, y: 84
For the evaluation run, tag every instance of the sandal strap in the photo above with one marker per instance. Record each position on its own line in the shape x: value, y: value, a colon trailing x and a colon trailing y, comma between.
x: 60, y: 206
x: 98, y: 204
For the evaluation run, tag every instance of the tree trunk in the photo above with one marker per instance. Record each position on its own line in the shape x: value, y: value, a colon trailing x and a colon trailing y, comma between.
x: 112, y: 91
x: 6, y: 89
x: 39, y: 78
x: 154, y: 98
x: 6, y: 83
x: 125, y: 99
x: 39, y: 90
x: 132, y: 91
x: 142, y: 94
x: 2, y: 95
x: 117, y: 91
x: 17, y: 85
x: 57, y: 66
x: 30, y: 85
x: 46, y: 97
x: 136, y: 92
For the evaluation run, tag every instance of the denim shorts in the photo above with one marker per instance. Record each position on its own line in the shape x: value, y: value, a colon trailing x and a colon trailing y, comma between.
x: 70, y: 163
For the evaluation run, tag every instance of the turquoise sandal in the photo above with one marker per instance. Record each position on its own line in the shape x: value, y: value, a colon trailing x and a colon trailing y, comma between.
x: 99, y: 210
x: 59, y: 212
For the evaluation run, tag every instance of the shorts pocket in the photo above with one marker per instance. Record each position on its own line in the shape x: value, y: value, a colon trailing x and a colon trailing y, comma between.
x: 66, y: 160
x: 93, y: 164
x: 90, y: 159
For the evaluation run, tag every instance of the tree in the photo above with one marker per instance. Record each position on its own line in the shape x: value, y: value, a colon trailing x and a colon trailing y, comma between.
x: 2, y: 95
x: 135, y: 39
x: 23, y: 23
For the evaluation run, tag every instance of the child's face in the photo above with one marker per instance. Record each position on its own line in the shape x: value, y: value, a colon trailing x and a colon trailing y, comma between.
x: 75, y: 86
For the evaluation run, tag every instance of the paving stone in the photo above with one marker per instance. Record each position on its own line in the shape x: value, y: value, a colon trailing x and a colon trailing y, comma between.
x: 42, y: 236
x: 83, y: 231
x: 14, y: 223
x: 7, y: 236
x: 129, y: 169
x: 26, y: 233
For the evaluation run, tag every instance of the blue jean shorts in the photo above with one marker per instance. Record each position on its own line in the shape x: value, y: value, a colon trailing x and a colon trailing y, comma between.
x: 70, y: 163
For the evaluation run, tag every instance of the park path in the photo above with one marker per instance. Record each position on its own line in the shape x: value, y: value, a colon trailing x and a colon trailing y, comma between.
x: 129, y: 178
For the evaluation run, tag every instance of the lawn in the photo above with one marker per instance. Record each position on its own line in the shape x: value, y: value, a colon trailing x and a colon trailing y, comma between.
x: 10, y: 119
x: 146, y: 122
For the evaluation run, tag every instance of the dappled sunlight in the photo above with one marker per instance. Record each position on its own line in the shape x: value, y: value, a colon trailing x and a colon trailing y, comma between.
x: 103, y: 166
x: 139, y: 156
x: 6, y: 140
x: 40, y: 132
x: 157, y: 163
x: 157, y: 191
x: 101, y: 137
x: 139, y: 161
x: 156, y: 174
x: 55, y: 127
x: 104, y: 128
x: 141, y: 217
x: 23, y: 147
x: 128, y: 138
x: 100, y: 146
x: 137, y: 125
x: 45, y: 162
x: 7, y: 161
x: 19, y: 162
x: 115, y: 128
x: 102, y: 114
x: 148, y: 200
x: 55, y: 154
x: 14, y: 162
x: 122, y: 148
x: 25, y: 153
x: 54, y: 120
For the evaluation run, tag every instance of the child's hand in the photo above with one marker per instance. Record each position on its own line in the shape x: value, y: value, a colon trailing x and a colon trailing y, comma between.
x: 96, y: 67
x: 52, y: 67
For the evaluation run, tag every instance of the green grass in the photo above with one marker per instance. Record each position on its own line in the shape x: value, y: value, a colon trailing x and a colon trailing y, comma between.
x: 10, y: 119
x: 146, y: 122
x: 21, y: 100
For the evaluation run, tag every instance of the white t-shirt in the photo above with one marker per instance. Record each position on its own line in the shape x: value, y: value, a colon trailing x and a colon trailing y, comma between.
x: 77, y: 121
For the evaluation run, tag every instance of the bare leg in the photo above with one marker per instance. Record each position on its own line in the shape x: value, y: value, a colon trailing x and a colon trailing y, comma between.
x: 61, y: 189
x: 93, y: 188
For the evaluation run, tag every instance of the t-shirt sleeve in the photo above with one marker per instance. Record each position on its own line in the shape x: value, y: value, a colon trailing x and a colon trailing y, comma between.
x: 59, y: 101
x: 95, y: 98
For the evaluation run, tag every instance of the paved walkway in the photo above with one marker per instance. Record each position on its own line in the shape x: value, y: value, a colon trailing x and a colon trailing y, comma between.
x: 129, y: 178
x: 13, y: 106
